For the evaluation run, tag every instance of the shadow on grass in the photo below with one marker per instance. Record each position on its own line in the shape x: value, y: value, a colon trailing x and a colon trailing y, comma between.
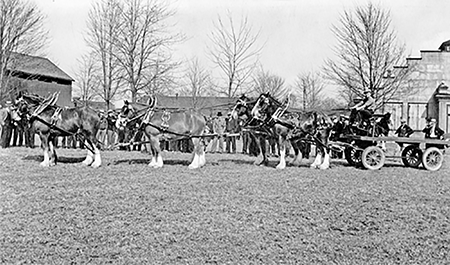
x: 389, y: 163
x: 147, y: 161
x: 270, y: 164
x: 61, y: 159
x: 236, y: 161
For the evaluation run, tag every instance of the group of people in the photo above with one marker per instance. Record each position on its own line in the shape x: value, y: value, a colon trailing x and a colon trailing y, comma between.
x: 14, y: 132
x: 363, y: 111
x: 226, y: 131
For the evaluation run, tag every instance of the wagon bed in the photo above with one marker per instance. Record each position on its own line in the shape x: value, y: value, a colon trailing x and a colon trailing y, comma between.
x: 363, y: 150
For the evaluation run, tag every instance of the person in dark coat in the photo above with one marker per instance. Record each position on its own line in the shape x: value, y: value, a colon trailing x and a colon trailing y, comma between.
x: 404, y: 130
x: 364, y: 110
x: 432, y: 130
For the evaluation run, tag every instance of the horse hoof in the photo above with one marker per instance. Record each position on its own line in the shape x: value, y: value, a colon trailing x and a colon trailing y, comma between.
x: 193, y: 167
x: 281, y: 167
x: 94, y: 165
x: 324, y: 167
x: 86, y: 163
x: 44, y: 164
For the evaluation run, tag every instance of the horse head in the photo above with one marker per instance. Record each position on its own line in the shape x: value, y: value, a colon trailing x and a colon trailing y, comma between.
x: 265, y: 107
x: 25, y: 105
x: 132, y: 113
x: 383, y: 125
x: 241, y: 108
x: 312, y: 121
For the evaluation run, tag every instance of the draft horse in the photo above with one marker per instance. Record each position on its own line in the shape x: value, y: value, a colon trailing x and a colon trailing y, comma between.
x: 50, y: 121
x: 298, y: 128
x: 242, y: 111
x: 161, y: 124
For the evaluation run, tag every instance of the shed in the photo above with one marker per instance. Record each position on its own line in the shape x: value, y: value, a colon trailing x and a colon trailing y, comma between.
x: 39, y: 75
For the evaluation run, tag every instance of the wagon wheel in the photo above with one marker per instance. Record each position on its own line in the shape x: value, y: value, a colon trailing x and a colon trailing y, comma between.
x: 373, y: 158
x: 432, y: 159
x: 412, y: 156
x: 352, y: 155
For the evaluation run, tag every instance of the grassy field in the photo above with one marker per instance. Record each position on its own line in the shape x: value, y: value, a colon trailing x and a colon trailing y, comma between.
x: 229, y: 212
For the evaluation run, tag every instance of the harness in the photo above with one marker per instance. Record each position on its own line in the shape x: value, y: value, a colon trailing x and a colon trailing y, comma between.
x: 56, y: 116
x: 296, y: 131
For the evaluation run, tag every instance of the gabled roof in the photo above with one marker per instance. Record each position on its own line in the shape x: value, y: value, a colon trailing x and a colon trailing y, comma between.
x: 444, y: 44
x: 35, y: 65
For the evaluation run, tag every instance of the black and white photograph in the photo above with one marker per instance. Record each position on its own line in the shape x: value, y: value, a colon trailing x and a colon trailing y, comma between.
x: 224, y: 132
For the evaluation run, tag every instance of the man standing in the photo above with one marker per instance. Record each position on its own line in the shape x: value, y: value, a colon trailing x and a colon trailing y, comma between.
x: 7, y: 126
x: 232, y: 127
x: 219, y: 126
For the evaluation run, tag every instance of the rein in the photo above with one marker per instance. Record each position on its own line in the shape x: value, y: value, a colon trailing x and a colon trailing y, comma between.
x: 53, y: 126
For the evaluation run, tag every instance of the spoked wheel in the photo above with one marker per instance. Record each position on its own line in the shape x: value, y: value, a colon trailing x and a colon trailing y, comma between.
x: 432, y: 159
x: 352, y: 155
x: 373, y: 158
x: 412, y: 156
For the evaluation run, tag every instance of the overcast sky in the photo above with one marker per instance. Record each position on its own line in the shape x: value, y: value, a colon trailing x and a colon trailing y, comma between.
x: 297, y: 33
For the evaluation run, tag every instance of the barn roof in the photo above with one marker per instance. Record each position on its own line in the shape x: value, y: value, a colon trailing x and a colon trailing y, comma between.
x: 35, y: 65
x: 444, y: 44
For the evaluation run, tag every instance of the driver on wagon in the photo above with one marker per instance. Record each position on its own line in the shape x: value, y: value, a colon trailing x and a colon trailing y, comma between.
x: 364, y: 108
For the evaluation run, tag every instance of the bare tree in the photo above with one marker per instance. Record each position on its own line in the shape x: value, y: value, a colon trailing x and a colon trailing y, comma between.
x: 309, y: 87
x: 162, y: 79
x: 234, y: 50
x: 197, y: 82
x: 22, y: 31
x: 266, y: 82
x: 103, y: 28
x: 367, y: 51
x: 87, y: 85
x: 143, y: 45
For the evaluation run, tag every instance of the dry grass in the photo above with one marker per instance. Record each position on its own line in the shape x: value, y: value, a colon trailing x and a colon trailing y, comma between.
x: 229, y: 212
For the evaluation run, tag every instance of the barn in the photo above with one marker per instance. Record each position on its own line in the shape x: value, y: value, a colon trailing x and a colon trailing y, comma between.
x: 39, y: 75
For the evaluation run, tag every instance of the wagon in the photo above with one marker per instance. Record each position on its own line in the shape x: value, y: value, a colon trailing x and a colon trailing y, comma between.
x: 363, y: 150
